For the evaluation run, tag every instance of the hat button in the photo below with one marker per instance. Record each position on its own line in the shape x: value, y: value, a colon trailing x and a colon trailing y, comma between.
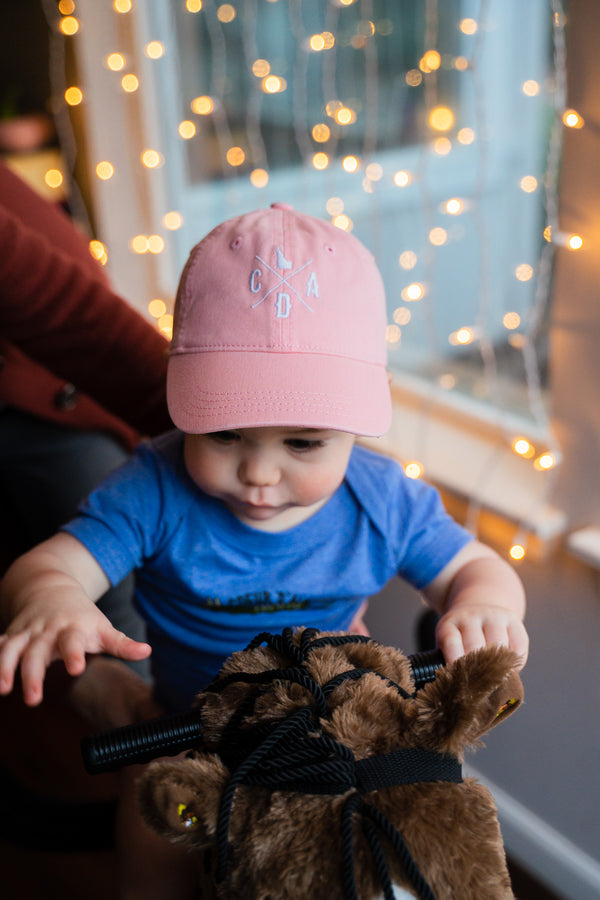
x: 281, y: 206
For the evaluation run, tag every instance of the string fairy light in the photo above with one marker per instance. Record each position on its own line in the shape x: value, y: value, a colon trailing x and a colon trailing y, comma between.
x: 98, y: 251
x: 53, y: 178
x: 413, y: 469
x: 344, y: 140
x: 73, y: 95
x: 116, y: 61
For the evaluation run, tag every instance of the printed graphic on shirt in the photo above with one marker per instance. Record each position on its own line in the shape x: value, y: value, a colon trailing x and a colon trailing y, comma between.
x: 288, y: 285
x: 258, y: 602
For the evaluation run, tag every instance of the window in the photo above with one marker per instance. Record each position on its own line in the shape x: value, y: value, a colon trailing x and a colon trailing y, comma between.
x: 423, y: 126
x: 285, y: 81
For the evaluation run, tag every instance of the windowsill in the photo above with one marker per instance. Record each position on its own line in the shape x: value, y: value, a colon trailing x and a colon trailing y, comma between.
x: 585, y: 545
x: 470, y: 457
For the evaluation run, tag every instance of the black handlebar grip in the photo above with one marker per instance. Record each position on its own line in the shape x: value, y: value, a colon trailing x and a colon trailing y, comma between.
x: 163, y: 736
x: 424, y: 666
x: 169, y: 735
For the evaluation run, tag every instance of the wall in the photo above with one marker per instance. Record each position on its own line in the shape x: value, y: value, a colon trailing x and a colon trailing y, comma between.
x: 543, y: 764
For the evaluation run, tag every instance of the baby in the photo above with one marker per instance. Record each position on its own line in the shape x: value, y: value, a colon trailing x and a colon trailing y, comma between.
x: 259, y: 511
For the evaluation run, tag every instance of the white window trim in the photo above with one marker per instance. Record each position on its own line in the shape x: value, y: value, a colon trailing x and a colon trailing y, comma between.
x: 585, y: 545
x: 465, y: 449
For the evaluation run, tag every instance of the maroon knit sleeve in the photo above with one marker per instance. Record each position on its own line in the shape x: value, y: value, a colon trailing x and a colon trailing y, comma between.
x: 56, y: 307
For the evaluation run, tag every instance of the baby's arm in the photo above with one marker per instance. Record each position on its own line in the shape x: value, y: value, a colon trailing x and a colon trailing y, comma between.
x: 481, y: 601
x: 48, y: 601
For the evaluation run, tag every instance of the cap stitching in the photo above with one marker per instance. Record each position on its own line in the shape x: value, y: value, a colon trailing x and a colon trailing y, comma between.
x: 260, y: 348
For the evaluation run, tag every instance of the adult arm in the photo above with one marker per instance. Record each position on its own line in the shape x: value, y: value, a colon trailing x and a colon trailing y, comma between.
x: 56, y: 306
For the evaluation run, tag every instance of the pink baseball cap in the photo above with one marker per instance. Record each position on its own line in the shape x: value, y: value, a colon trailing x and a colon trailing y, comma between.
x: 279, y: 321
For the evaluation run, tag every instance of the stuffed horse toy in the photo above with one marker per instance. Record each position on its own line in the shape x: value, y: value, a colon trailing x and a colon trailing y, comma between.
x: 324, y: 771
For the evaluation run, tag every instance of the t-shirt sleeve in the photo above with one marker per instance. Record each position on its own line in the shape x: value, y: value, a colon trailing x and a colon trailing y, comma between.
x: 121, y: 523
x: 428, y: 536
x: 420, y: 537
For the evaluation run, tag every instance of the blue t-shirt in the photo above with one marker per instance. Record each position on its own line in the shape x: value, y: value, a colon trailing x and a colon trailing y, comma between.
x: 206, y: 583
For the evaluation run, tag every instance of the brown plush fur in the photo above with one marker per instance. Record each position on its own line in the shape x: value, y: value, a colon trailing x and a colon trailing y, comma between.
x: 287, y: 846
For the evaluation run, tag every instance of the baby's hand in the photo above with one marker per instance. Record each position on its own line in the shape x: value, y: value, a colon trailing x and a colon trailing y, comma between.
x: 53, y: 626
x: 482, y: 602
x: 358, y: 624
x: 467, y: 626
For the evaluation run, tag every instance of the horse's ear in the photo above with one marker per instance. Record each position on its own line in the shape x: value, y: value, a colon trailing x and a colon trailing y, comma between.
x: 180, y: 800
x: 469, y: 697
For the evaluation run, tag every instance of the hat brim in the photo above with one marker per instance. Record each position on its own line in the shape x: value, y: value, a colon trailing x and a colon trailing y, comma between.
x: 221, y: 390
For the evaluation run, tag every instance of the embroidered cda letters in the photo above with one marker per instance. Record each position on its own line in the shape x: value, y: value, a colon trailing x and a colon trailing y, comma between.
x: 283, y: 288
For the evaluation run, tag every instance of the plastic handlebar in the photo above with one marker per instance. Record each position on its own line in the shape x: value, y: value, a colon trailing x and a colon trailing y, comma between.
x: 139, y: 743
x: 169, y: 735
x: 424, y: 666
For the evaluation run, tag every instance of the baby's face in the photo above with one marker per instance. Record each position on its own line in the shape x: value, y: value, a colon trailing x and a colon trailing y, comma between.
x: 270, y: 478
